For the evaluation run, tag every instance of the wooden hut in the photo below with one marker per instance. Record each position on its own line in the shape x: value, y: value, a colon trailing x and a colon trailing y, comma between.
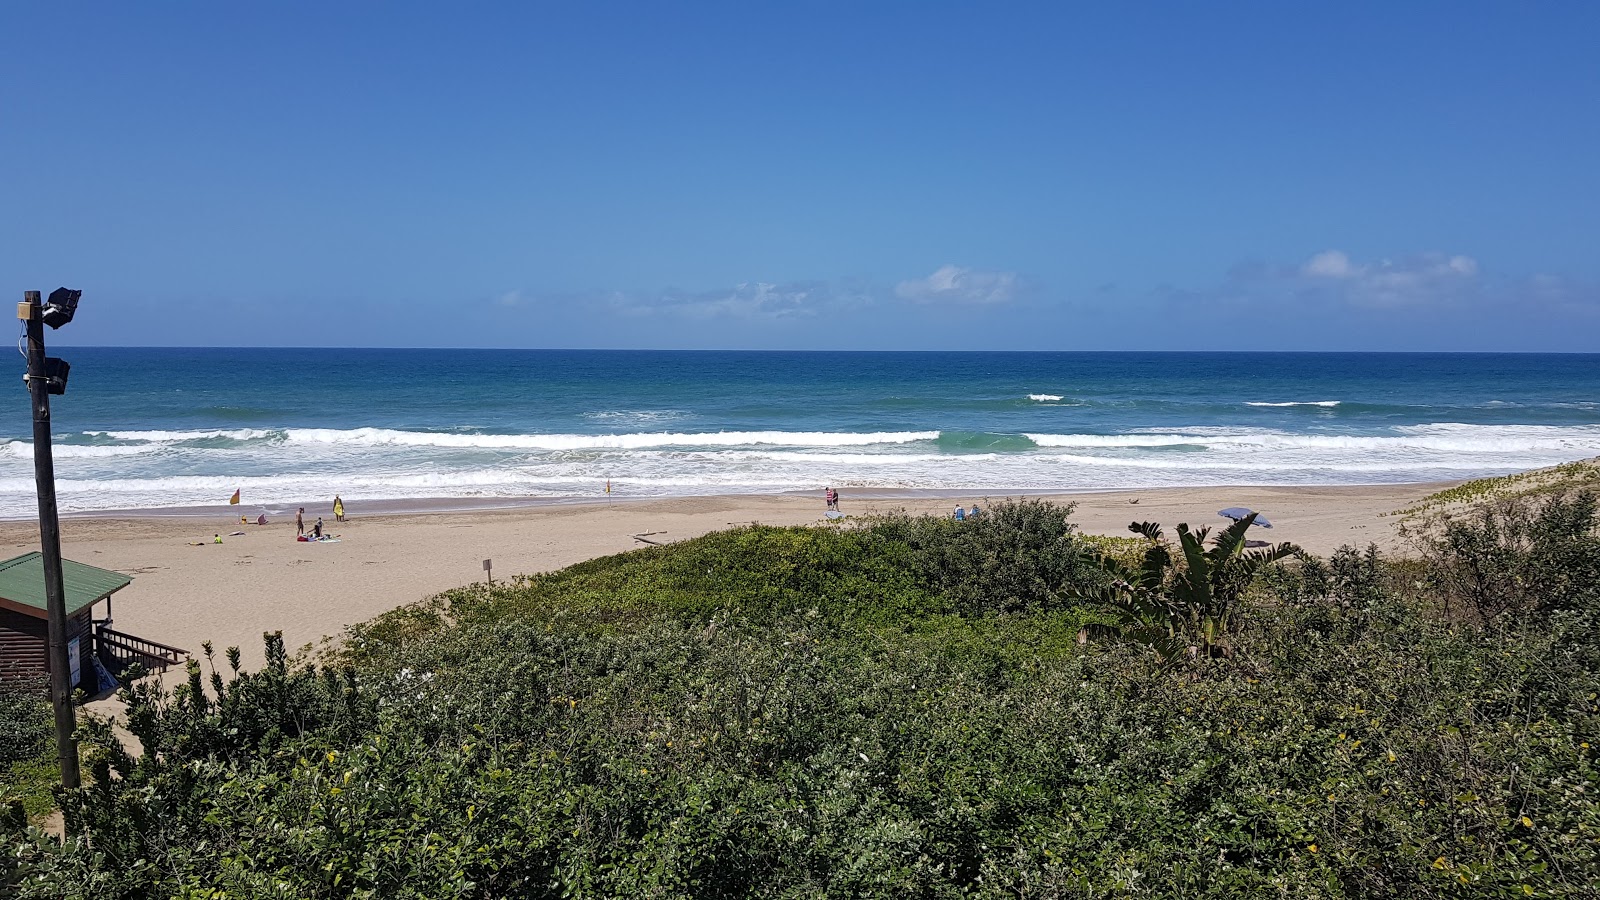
x: 24, y: 640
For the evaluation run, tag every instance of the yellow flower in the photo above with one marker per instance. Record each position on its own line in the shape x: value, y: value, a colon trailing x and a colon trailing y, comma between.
x: 1440, y: 863
x: 1312, y: 848
x: 1527, y: 822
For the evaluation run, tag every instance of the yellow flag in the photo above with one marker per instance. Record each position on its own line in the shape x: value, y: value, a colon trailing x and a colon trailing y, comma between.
x: 234, y: 500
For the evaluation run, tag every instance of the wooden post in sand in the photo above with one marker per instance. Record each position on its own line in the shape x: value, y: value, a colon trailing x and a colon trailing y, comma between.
x: 44, y: 473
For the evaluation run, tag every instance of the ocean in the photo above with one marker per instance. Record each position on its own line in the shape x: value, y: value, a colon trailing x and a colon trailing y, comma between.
x: 143, y: 428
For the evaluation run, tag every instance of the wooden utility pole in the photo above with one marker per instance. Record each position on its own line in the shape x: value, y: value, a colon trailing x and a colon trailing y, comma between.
x: 44, y: 473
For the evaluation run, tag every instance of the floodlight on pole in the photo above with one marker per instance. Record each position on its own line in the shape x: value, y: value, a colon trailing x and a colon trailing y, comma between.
x: 61, y: 307
x: 46, y: 376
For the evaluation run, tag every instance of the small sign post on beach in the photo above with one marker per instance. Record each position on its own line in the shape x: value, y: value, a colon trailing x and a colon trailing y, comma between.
x: 488, y: 574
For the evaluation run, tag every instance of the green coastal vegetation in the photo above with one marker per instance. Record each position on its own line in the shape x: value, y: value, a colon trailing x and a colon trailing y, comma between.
x: 910, y: 707
x: 1579, y: 475
x: 27, y: 747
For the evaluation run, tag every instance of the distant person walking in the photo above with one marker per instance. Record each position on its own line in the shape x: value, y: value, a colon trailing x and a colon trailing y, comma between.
x: 338, y: 509
x: 300, y: 522
x: 961, y: 514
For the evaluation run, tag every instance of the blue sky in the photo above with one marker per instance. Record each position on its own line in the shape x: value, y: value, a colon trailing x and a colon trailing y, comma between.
x: 878, y: 176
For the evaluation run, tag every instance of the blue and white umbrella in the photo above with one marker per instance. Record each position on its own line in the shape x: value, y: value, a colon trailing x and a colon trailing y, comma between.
x: 1238, y: 512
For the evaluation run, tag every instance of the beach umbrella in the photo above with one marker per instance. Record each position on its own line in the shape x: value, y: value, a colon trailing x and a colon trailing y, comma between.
x: 1238, y: 512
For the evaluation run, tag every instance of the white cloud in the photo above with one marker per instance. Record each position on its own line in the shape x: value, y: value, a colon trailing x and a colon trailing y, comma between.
x: 955, y: 284
x: 1329, y: 264
x: 751, y: 300
x: 1424, y: 278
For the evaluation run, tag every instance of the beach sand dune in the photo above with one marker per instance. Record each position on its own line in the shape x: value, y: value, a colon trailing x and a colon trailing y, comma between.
x: 264, y: 580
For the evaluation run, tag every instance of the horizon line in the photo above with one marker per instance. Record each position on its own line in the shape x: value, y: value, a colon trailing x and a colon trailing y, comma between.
x: 966, y: 352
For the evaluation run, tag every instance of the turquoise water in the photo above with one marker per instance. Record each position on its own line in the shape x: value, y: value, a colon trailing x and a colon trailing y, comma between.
x: 150, y: 428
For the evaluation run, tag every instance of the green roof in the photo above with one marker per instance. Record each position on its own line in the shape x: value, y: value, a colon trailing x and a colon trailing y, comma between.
x: 22, y: 583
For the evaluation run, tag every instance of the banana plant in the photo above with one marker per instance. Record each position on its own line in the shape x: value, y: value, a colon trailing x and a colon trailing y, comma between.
x: 1182, y: 608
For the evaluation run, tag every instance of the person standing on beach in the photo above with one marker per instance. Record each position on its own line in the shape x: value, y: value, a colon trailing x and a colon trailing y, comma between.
x: 300, y: 522
x: 338, y: 509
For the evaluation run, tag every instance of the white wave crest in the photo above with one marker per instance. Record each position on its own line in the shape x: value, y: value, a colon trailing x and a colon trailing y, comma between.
x: 1296, y: 403
x: 1044, y: 397
x: 385, y: 436
x: 173, y: 437
x: 24, y: 450
x: 1445, y: 438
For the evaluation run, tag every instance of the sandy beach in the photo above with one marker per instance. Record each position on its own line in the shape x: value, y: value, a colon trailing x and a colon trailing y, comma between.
x: 264, y: 580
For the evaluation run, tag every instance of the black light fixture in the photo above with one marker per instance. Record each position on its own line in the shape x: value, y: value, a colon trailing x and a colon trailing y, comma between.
x: 59, y: 310
x: 55, y: 374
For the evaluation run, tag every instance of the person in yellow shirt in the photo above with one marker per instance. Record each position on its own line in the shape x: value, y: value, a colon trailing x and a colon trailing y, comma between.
x: 338, y: 509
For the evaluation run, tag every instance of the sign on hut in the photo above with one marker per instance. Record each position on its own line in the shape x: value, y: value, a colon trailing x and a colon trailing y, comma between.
x: 24, y: 636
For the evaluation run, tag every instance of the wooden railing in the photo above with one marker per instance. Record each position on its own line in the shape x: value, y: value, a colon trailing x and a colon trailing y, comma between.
x: 125, y: 649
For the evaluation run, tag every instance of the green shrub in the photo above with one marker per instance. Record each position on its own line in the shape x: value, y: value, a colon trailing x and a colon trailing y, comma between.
x: 25, y: 719
x: 28, y: 769
x: 730, y: 718
x: 1518, y: 556
x: 1017, y: 556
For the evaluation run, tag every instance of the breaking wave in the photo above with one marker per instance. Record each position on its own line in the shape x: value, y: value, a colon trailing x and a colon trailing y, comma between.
x: 1326, y: 403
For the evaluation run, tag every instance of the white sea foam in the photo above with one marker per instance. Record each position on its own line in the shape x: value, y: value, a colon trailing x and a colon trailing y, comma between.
x: 24, y: 450
x: 1044, y: 397
x: 170, y: 437
x: 1444, y: 438
x: 383, y: 436
x: 634, y: 415
x: 279, y: 467
x: 1296, y: 403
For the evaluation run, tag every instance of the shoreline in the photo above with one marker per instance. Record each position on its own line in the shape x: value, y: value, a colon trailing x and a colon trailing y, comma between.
x: 187, y: 590
x: 425, y: 506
